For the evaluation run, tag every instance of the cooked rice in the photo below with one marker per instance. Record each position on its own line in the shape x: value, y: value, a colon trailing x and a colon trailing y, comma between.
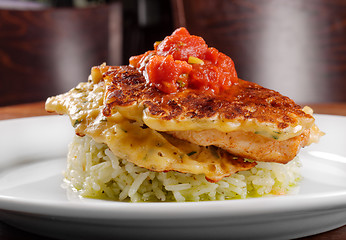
x: 95, y: 172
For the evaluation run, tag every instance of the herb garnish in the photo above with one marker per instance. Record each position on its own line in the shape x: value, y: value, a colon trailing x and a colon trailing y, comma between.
x: 191, y: 153
x: 75, y: 124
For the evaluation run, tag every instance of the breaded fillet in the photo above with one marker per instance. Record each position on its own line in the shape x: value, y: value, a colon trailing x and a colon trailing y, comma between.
x: 114, y: 107
x: 246, y: 106
x: 248, y: 120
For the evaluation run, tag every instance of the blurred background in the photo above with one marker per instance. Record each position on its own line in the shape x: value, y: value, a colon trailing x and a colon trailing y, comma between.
x: 296, y: 47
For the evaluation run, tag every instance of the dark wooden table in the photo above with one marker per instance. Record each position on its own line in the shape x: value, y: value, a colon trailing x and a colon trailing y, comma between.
x: 37, y: 109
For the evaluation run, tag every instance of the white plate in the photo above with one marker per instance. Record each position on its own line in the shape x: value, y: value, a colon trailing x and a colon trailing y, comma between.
x: 32, y: 159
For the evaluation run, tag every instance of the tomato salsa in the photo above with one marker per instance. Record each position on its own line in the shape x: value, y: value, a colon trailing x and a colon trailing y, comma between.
x: 183, y: 61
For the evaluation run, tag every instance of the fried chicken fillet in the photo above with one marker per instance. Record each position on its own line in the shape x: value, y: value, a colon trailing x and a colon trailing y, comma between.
x: 249, y: 121
x: 181, y: 107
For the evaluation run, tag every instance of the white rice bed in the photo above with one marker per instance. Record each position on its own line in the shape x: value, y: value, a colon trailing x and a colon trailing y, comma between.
x: 95, y: 172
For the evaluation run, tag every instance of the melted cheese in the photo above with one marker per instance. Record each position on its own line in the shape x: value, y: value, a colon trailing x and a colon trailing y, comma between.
x: 142, y: 146
x: 269, y: 130
x: 137, y: 112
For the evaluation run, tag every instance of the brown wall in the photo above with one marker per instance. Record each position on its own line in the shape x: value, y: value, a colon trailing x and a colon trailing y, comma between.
x: 297, y: 47
x: 48, y: 51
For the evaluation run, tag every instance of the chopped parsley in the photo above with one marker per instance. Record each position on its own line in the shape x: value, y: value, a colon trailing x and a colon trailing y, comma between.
x: 77, y: 122
x: 191, y: 153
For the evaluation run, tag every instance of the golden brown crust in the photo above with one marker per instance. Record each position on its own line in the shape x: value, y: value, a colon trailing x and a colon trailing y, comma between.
x: 244, y: 101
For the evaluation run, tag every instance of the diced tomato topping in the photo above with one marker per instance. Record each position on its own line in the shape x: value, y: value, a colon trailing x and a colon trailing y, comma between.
x: 134, y: 60
x: 183, y: 60
x: 167, y: 74
x: 182, y: 45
